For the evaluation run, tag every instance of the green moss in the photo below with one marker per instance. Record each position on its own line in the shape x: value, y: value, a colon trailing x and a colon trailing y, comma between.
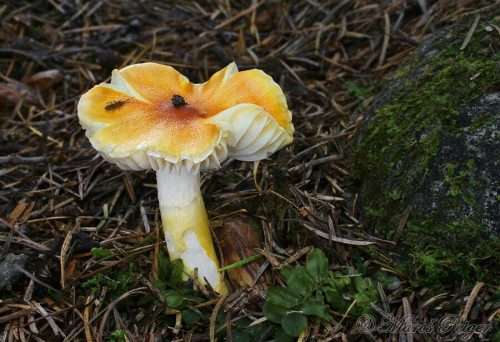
x: 117, y: 282
x: 481, y: 121
x: 403, y: 71
x: 100, y: 253
x: 400, y: 145
x: 460, y: 182
x: 361, y: 91
x: 435, y: 267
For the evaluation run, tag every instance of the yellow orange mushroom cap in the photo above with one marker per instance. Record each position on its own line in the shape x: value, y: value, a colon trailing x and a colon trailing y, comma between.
x: 135, y: 121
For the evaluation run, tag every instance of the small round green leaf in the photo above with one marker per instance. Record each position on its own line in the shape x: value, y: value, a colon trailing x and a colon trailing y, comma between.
x: 317, y: 264
x: 294, y: 323
x: 174, y: 301
x: 273, y: 312
x: 392, y: 283
x: 190, y: 317
x: 284, y: 297
x: 163, y: 266
x: 282, y: 336
x: 242, y: 336
x: 336, y: 300
x: 298, y: 279
x: 177, y: 267
x: 311, y: 307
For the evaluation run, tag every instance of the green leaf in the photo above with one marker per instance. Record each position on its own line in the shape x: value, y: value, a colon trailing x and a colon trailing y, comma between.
x: 312, y: 307
x: 221, y: 317
x: 163, y: 266
x: 191, y: 295
x: 169, y: 272
x: 362, y: 305
x: 392, y: 283
x: 273, y: 312
x: 298, y: 279
x: 338, y: 281
x: 174, y: 300
x: 282, y: 296
x: 362, y: 298
x: 146, y: 300
x: 242, y: 336
x: 117, y: 336
x: 360, y: 284
x: 259, y: 330
x: 242, y: 323
x: 317, y: 264
x: 319, y: 297
x: 176, y: 267
x: 294, y: 323
x: 100, y: 253
x: 282, y: 336
x: 335, y: 299
x: 190, y: 317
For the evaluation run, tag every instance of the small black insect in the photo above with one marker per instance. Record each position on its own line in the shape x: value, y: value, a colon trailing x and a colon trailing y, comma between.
x: 178, y: 101
x: 115, y: 104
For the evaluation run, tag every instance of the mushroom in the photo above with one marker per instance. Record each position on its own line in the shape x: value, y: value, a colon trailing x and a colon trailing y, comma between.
x: 151, y: 117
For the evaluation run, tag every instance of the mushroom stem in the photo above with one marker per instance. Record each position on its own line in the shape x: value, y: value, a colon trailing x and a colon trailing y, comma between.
x: 185, y: 224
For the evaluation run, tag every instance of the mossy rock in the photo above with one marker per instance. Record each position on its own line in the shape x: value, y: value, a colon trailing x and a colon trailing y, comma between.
x: 430, y: 146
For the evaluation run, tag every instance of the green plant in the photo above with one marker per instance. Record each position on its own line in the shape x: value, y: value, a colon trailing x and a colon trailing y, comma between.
x: 100, y: 253
x: 360, y: 91
x: 311, y: 291
x: 116, y: 281
x: 117, y: 336
x: 174, y: 291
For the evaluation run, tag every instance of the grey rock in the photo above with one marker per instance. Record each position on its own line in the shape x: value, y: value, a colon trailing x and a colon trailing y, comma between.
x: 476, y: 150
x: 9, y: 273
x: 430, y: 144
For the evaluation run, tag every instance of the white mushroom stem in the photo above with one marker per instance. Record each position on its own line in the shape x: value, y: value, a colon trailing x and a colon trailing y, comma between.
x: 185, y: 224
